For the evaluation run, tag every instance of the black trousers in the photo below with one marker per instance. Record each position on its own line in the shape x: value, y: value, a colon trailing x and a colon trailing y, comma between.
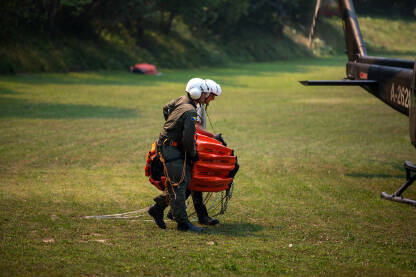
x: 177, y: 194
x: 200, y: 208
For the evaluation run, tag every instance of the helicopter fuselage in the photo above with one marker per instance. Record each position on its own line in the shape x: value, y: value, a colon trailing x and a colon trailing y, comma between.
x: 393, y: 76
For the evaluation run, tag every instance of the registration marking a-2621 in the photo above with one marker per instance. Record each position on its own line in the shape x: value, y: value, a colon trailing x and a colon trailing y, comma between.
x: 400, y: 95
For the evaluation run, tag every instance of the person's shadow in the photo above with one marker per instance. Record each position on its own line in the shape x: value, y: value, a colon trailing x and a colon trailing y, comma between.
x: 240, y: 229
x: 21, y: 108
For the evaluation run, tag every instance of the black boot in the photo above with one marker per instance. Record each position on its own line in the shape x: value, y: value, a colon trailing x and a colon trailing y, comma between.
x: 157, y: 215
x: 187, y: 226
x: 206, y: 220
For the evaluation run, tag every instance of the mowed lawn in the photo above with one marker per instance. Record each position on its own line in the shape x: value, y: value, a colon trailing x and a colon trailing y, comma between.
x: 314, y: 161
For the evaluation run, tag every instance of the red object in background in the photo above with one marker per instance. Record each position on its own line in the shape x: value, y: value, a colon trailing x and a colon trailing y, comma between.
x: 144, y: 68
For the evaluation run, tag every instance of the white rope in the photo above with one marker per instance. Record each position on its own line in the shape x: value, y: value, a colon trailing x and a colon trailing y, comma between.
x: 223, y: 203
x: 213, y: 202
x: 120, y: 215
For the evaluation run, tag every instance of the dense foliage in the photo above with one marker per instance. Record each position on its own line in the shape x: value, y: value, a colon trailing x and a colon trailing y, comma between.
x: 390, y: 8
x: 79, y: 35
x: 220, y: 17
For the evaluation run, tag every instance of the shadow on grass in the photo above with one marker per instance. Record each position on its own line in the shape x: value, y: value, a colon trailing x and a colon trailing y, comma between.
x: 119, y: 78
x: 7, y: 91
x: 241, y: 229
x: 396, y: 165
x: 115, y: 78
x: 376, y: 175
x: 11, y: 107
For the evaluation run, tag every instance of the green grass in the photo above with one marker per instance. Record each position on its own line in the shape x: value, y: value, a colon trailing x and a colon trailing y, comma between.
x: 307, y: 197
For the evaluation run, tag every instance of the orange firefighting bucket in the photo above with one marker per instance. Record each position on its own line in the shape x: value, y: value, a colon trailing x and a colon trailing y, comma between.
x: 211, y: 173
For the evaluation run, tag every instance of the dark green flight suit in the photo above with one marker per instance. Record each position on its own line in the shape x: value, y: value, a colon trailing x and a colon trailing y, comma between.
x: 180, y: 115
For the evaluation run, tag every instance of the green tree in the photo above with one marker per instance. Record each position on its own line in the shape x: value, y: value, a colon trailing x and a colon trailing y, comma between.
x: 396, y: 8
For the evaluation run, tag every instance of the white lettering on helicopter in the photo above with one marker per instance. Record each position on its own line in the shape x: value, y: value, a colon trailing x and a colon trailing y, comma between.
x: 400, y: 95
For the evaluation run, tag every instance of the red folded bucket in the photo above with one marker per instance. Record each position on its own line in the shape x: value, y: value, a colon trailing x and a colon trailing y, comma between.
x: 210, y: 173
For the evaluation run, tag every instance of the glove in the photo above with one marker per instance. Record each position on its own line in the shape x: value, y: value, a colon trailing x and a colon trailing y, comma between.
x: 220, y: 139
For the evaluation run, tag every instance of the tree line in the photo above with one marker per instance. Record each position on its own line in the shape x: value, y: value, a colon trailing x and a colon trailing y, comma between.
x: 210, y: 17
x: 218, y: 17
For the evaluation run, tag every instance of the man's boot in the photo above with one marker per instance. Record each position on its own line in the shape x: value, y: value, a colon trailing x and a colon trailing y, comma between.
x: 206, y: 220
x: 157, y: 215
x: 202, y: 213
x: 187, y: 226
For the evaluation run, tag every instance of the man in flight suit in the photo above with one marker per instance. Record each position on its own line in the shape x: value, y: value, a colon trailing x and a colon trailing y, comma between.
x: 200, y: 208
x: 214, y: 89
x: 177, y: 145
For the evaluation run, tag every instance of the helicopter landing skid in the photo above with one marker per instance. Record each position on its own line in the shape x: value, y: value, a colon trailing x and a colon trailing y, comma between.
x: 397, y: 196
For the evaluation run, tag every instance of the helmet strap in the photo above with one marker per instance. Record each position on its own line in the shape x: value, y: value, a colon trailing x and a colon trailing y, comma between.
x: 209, y: 119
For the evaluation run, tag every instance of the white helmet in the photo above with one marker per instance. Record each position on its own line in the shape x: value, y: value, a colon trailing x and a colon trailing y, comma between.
x: 195, y: 87
x: 213, y: 87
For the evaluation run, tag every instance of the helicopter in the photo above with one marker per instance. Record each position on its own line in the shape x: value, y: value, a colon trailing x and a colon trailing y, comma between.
x: 393, y: 81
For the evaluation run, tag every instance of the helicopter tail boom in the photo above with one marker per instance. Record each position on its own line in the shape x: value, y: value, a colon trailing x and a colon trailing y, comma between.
x: 339, y: 83
x: 386, y: 61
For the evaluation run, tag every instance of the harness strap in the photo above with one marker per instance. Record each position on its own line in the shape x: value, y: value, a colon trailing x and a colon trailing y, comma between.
x: 168, y: 179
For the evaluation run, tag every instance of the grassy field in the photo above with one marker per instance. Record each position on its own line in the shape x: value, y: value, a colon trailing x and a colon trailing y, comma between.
x: 307, y: 199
